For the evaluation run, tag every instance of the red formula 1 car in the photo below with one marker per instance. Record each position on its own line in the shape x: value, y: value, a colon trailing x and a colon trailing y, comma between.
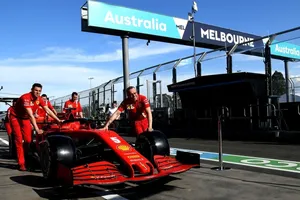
x: 74, y: 153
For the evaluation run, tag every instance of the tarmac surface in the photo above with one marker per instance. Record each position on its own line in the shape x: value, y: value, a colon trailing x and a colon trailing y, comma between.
x: 238, y: 182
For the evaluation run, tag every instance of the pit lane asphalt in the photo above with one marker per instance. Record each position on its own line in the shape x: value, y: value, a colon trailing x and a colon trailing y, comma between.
x: 203, y: 183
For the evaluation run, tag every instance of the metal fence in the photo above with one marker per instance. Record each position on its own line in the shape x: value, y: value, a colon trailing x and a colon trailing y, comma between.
x: 153, y: 81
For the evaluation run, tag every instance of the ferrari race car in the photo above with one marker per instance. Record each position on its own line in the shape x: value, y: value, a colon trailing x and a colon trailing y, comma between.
x: 74, y: 153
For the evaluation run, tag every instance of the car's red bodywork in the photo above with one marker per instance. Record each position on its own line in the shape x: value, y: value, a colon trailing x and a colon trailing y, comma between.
x: 104, y: 172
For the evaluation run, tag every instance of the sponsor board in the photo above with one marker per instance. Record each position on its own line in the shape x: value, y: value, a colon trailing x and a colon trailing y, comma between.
x: 126, y: 19
x: 110, y: 17
x: 119, y: 20
x: 284, y: 49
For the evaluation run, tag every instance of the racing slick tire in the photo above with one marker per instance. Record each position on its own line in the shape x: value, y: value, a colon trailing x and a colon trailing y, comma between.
x: 12, y: 146
x: 54, y: 150
x: 152, y: 143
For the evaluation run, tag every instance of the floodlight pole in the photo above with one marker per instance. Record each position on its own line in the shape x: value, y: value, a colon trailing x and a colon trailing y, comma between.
x: 91, y: 78
x: 194, y: 44
x: 192, y: 19
x: 125, y: 63
x: 193, y: 37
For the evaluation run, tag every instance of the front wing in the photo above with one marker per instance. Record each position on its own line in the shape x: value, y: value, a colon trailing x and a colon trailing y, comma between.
x: 106, y: 173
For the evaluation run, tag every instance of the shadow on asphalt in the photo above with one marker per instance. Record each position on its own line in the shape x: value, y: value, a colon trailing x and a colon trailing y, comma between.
x: 147, y: 190
x: 44, y: 190
x: 7, y: 162
x: 247, y: 180
x: 8, y: 165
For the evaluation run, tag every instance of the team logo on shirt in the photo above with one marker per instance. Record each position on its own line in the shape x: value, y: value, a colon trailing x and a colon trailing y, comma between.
x: 37, y: 102
x: 130, y: 106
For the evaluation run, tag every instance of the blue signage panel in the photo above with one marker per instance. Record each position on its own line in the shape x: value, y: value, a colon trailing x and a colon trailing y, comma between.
x: 285, y: 49
x: 132, y: 20
x: 117, y: 20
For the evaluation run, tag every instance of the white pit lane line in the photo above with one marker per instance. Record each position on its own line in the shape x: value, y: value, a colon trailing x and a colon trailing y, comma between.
x: 113, y: 197
x: 4, y: 141
x: 106, y: 197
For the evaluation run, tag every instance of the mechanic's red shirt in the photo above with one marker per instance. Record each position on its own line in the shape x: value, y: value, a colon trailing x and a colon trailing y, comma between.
x: 41, y: 112
x: 136, y: 110
x: 8, y: 114
x: 73, y: 104
x: 26, y: 101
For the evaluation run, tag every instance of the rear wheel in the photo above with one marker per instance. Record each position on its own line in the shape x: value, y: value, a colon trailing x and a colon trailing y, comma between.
x: 12, y: 146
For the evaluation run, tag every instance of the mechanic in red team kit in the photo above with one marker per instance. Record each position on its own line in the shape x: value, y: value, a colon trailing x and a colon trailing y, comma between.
x: 74, y: 103
x: 41, y: 112
x: 139, y: 111
x: 7, y: 121
x: 21, y: 118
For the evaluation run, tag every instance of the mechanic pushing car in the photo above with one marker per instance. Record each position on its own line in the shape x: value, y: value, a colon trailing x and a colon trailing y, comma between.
x: 21, y: 118
x: 40, y: 112
x: 74, y: 103
x: 139, y: 111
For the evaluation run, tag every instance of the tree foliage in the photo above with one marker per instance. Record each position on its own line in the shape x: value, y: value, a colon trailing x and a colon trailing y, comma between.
x: 278, y: 83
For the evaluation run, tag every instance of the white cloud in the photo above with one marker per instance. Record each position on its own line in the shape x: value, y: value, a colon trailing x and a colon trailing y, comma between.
x: 243, y: 57
x: 62, y: 70
x: 296, y: 79
x: 70, y: 55
x: 185, y: 62
x: 297, y: 66
x: 57, y: 81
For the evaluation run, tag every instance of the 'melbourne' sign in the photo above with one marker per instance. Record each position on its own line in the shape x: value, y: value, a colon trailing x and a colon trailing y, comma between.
x: 117, y: 20
x: 230, y: 38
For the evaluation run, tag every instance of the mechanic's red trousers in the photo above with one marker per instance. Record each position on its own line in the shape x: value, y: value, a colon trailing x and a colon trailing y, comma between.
x: 141, y: 126
x: 23, y: 131
x: 8, y: 128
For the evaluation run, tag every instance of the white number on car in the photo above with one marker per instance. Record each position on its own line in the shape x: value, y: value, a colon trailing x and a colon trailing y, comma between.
x: 115, y: 139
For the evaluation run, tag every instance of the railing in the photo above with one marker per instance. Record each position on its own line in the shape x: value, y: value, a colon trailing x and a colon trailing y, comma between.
x: 108, y: 92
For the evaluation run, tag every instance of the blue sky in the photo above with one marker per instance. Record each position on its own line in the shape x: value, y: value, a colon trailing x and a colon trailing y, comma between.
x: 42, y: 41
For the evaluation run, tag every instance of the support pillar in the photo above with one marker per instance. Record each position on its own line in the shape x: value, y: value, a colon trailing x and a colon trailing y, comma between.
x: 138, y: 85
x: 154, y: 88
x: 125, y: 53
x: 174, y: 80
x: 287, y: 78
x: 268, y: 69
x: 229, y: 64
x: 199, y: 68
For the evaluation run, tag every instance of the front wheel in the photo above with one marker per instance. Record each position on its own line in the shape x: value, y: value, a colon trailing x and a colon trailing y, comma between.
x: 152, y: 143
x: 48, y: 164
x: 56, y: 149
